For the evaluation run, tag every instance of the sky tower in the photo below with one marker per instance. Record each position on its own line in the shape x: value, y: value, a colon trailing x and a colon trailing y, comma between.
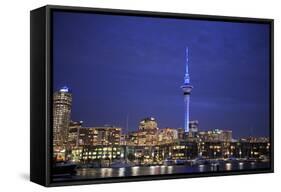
x: 186, y: 88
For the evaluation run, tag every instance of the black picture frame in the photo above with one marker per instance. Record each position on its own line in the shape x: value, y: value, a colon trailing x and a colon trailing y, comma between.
x: 41, y: 93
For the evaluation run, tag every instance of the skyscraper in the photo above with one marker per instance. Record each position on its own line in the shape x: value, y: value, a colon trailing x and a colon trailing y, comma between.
x: 186, y: 88
x: 62, y: 101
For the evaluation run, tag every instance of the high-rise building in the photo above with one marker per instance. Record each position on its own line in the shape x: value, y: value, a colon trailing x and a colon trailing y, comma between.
x: 186, y: 88
x: 148, y: 124
x: 62, y: 101
x: 73, y: 133
x: 147, y: 133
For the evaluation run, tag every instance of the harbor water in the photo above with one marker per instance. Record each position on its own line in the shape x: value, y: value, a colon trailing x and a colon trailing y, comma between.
x: 93, y: 173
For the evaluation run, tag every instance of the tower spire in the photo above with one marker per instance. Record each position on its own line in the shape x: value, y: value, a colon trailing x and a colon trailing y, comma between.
x: 186, y: 77
x: 186, y: 57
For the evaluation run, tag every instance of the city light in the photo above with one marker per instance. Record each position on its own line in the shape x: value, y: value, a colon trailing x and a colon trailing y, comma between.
x: 150, y: 145
x: 64, y: 89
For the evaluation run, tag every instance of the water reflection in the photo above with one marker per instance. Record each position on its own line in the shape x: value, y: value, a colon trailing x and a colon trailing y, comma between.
x: 106, y: 172
x: 170, y: 169
x: 135, y: 171
x: 163, y: 169
x: 201, y: 168
x: 253, y: 165
x: 215, y: 167
x: 228, y: 166
x: 121, y: 172
x: 241, y: 165
x: 152, y: 170
x: 92, y: 173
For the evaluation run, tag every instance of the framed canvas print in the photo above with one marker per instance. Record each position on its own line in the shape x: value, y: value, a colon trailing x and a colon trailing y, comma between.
x: 119, y: 95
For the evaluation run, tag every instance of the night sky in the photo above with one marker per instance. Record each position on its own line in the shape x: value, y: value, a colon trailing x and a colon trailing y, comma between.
x: 120, y: 66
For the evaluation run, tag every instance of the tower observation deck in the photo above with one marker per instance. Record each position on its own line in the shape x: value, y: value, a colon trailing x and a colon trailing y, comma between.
x: 186, y: 88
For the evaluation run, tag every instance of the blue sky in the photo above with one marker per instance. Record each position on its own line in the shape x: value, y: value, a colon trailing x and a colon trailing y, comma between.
x: 119, y: 66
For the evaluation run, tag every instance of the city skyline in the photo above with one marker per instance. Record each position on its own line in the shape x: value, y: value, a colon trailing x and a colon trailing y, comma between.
x: 108, y: 86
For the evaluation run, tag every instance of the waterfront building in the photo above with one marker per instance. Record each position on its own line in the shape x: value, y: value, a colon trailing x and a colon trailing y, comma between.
x: 107, y: 135
x: 76, y: 154
x: 184, y: 150
x: 255, y: 139
x: 148, y: 155
x: 101, y: 156
x: 236, y: 149
x: 254, y: 147
x: 211, y: 149
x: 143, y: 138
x: 216, y: 135
x: 146, y: 135
x: 167, y: 135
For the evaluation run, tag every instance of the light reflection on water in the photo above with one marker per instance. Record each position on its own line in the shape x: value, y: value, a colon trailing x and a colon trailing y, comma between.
x: 135, y: 171
x: 152, y: 170
x: 121, y: 172
x: 158, y: 170
x: 170, y: 169
x: 201, y: 168
x: 106, y: 172
x: 163, y: 169
x: 228, y: 166
x: 241, y: 165
x: 253, y: 165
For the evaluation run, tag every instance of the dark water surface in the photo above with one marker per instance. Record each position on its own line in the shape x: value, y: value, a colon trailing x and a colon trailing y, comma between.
x: 93, y: 173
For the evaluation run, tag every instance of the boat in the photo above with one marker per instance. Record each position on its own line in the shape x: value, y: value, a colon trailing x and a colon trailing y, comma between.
x: 179, y: 162
x: 64, y: 168
x: 200, y: 161
x: 120, y: 164
x: 264, y: 158
x: 168, y: 162
x: 231, y: 160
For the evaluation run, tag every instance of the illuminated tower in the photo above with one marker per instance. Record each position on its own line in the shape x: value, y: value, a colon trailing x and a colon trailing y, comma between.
x: 186, y: 88
x: 62, y: 101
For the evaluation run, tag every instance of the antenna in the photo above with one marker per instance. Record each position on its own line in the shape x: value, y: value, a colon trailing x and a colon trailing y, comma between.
x: 186, y: 76
x: 186, y: 57
x: 127, y: 123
